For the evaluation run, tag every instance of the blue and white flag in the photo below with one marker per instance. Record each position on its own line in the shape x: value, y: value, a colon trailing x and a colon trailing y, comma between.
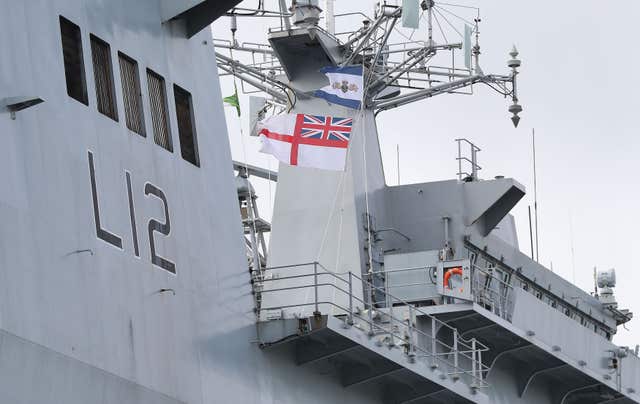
x: 345, y: 86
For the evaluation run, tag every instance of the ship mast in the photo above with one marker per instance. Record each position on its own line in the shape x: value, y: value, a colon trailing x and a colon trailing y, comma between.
x: 397, y: 73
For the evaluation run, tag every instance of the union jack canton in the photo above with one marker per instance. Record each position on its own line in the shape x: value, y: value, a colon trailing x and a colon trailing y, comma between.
x: 325, y: 128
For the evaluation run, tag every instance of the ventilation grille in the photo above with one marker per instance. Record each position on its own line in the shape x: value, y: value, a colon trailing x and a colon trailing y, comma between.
x: 73, y: 61
x: 186, y: 127
x: 159, y: 115
x: 103, y: 74
x: 133, y: 112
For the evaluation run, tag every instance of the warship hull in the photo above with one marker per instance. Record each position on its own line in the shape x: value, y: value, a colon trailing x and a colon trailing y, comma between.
x: 123, y: 269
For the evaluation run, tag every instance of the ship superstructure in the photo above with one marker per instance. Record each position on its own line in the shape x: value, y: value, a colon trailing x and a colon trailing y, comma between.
x: 124, y: 273
x: 418, y: 292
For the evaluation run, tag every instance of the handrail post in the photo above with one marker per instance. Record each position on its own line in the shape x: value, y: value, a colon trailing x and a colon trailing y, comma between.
x: 370, y: 289
x: 473, y: 359
x: 350, y: 318
x: 455, y: 349
x: 389, y: 300
x: 480, y: 376
x: 411, y: 342
x: 315, y: 288
x: 434, y: 348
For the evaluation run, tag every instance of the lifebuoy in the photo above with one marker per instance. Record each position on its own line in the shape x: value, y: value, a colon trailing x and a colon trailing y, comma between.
x: 449, y: 273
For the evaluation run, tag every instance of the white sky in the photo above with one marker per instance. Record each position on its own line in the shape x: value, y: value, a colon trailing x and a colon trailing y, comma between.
x: 579, y: 90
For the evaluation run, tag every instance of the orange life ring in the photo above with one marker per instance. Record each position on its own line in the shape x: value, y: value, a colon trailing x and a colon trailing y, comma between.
x: 449, y: 273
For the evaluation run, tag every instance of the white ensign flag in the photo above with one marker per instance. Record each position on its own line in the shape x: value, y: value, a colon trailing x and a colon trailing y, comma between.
x: 306, y: 140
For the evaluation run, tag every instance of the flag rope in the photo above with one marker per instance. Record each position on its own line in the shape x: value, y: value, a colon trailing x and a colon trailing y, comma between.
x: 250, y: 200
x: 331, y: 212
x: 358, y: 123
x: 340, y: 186
x: 366, y: 197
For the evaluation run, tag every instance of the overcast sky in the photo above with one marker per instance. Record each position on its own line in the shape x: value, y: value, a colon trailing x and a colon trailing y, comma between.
x: 579, y: 90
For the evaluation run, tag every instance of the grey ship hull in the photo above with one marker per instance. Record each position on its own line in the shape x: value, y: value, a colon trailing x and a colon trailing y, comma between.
x: 84, y: 321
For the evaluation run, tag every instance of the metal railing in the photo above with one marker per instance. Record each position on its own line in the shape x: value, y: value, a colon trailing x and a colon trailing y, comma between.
x: 459, y: 358
x: 473, y: 161
x: 492, y: 293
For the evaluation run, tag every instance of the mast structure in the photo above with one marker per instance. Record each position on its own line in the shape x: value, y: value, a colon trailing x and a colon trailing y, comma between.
x: 354, y: 257
x: 396, y: 73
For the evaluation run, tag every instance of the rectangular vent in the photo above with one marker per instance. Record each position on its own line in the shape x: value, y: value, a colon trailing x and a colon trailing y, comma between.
x: 103, y: 74
x: 73, y: 61
x: 133, y: 111
x: 186, y: 125
x: 159, y: 112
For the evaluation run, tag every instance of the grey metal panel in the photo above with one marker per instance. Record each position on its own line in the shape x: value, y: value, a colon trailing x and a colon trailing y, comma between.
x: 549, y: 280
x: 414, y: 285
x: 417, y: 210
x: 69, y: 292
x: 201, y: 15
x: 488, y: 202
x: 31, y: 373
x: 302, y: 53
x: 506, y: 231
x: 573, y: 342
x: 171, y: 8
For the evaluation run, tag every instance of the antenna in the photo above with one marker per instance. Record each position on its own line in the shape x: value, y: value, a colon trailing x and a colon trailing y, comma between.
x: 427, y: 5
x: 476, y: 48
x: 535, y: 194
x: 513, y: 63
x: 533, y: 257
x: 233, y: 26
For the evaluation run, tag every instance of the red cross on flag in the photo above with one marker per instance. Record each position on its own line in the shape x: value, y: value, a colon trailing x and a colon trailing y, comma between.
x: 307, y: 140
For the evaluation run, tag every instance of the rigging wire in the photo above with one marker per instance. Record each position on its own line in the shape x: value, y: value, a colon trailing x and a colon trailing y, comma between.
x: 505, y: 93
x: 339, y: 239
x: 448, y: 22
x: 250, y: 200
x: 435, y: 17
x: 458, y: 5
x: 366, y: 182
x: 413, y: 31
x: 366, y: 194
x: 331, y: 212
x: 455, y: 15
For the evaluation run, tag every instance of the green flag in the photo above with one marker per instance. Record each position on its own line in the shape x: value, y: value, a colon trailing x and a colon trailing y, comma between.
x: 233, y: 100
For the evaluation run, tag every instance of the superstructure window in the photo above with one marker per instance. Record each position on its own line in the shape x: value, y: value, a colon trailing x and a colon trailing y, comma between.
x: 186, y: 126
x: 159, y: 113
x: 103, y: 74
x: 132, y: 95
x: 73, y: 61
